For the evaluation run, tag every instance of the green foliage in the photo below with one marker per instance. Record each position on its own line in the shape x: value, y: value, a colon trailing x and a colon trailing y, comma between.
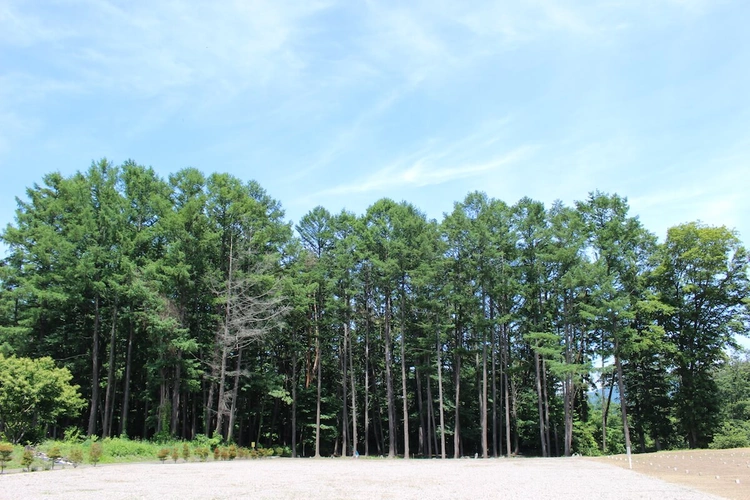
x: 95, y: 453
x: 735, y: 434
x: 6, y: 454
x: 54, y: 453
x: 202, y: 452
x: 33, y: 393
x: 75, y: 456
x: 584, y: 440
x: 27, y: 459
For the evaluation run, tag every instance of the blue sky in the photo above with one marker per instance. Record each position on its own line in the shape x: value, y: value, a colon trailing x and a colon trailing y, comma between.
x: 340, y: 103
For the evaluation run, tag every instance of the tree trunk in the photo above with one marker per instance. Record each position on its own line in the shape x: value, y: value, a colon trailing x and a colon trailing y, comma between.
x: 94, y: 371
x: 624, y: 407
x: 320, y: 387
x: 126, y: 392
x: 485, y: 450
x: 457, y: 413
x: 109, y: 395
x: 294, y: 398
x: 404, y: 394
x: 235, y: 395
x: 540, y: 402
x: 506, y: 384
x: 354, y: 400
x: 221, y: 405
x: 176, y: 387
x: 389, y: 379
x: 344, y: 393
x: 420, y: 410
x: 367, y: 388
x: 440, y: 397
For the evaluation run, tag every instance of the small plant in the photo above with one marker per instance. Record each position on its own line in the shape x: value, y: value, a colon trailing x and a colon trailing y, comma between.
x: 27, y: 459
x: 279, y: 451
x: 6, y: 452
x: 202, y: 452
x: 162, y: 454
x: 175, y: 454
x: 95, y: 453
x: 54, y: 454
x: 73, y: 435
x: 185, y: 451
x: 232, y: 452
x: 217, y: 453
x: 242, y: 452
x: 225, y: 453
x: 75, y: 457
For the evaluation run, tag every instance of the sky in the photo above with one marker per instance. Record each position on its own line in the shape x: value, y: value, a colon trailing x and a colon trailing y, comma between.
x: 341, y: 103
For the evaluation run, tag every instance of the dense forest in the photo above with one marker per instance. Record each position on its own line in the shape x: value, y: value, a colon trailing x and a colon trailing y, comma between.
x: 189, y: 305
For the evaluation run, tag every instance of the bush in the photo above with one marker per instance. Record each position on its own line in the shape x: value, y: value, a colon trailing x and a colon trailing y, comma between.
x: 162, y: 454
x: 124, y: 447
x: 95, y: 453
x: 202, y: 452
x: 232, y: 452
x: 75, y: 456
x: 6, y: 454
x: 53, y: 454
x: 27, y: 459
x: 732, y: 435
x: 185, y: 451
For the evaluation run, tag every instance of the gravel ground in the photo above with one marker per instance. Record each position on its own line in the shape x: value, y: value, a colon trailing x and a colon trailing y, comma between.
x: 533, y: 478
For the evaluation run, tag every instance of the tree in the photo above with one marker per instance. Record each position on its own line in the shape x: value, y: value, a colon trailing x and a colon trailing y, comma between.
x: 34, y: 393
x: 702, y: 276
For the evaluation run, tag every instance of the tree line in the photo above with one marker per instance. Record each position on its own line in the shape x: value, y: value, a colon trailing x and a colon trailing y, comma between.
x: 188, y: 305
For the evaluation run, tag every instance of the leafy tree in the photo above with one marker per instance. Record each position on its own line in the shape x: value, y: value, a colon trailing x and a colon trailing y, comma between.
x: 702, y: 276
x: 6, y: 453
x: 34, y: 393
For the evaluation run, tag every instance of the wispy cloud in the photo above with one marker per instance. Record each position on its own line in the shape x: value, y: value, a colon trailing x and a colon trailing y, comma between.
x: 439, y: 161
x: 422, y: 173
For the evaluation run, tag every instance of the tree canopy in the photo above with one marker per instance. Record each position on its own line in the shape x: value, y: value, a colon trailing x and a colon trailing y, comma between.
x: 188, y: 305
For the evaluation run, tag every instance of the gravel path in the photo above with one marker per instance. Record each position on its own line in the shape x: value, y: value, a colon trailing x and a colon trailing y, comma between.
x: 531, y: 478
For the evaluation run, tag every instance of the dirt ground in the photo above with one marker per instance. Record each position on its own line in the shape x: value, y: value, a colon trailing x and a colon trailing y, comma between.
x: 725, y: 473
x: 517, y: 478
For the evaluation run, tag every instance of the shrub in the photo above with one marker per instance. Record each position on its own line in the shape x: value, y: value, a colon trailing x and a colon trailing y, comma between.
x: 95, y: 453
x: 73, y: 435
x: 279, y: 451
x: 124, y: 447
x: 732, y: 435
x: 6, y: 453
x: 175, y: 454
x: 162, y: 454
x: 75, y: 456
x: 185, y: 451
x: 27, y: 459
x: 217, y: 453
x: 225, y: 453
x: 232, y: 452
x: 202, y: 452
x: 53, y: 454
